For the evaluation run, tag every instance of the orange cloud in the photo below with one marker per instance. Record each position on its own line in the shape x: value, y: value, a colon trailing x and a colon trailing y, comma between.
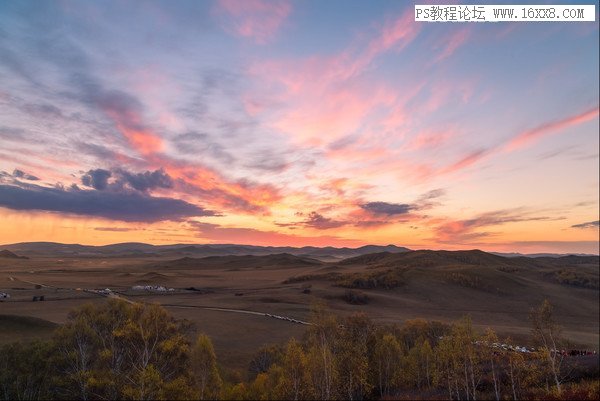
x: 214, y: 189
x: 129, y: 123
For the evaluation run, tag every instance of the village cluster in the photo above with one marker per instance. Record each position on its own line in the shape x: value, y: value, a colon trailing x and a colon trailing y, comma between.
x: 158, y: 288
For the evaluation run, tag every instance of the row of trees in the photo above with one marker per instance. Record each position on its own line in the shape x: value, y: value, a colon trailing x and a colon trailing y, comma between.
x: 136, y: 351
x: 355, y: 359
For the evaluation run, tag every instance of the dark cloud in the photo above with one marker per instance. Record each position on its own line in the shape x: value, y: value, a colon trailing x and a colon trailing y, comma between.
x: 390, y: 209
x: 126, y: 180
x: 371, y: 223
x: 146, y: 180
x: 124, y: 206
x: 589, y: 224
x: 97, y: 179
x: 23, y: 175
x: 314, y: 220
x: 318, y: 221
x: 425, y: 201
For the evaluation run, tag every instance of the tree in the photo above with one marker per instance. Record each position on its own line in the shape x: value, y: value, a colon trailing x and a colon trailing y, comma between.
x: 515, y: 368
x: 77, y: 344
x: 26, y: 371
x: 418, y: 364
x: 491, y: 355
x: 203, y: 362
x: 121, y: 350
x: 458, y: 361
x: 548, y: 336
x: 351, y: 354
x: 387, y: 358
x: 321, y: 340
x: 295, y: 381
x: 264, y: 359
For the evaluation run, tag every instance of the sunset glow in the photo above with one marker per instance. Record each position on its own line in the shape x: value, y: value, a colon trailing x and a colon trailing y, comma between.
x: 320, y: 123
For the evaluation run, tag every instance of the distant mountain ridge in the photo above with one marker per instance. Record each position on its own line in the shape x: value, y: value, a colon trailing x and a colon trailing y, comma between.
x: 137, y: 249
x: 140, y: 249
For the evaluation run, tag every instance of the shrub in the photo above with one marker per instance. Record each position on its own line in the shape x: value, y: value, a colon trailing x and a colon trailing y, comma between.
x: 355, y: 297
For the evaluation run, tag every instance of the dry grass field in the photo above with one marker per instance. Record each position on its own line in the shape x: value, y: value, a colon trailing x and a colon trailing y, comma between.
x: 495, y: 291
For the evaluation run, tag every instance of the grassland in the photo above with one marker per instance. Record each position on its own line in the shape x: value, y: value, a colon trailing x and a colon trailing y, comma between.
x: 495, y: 291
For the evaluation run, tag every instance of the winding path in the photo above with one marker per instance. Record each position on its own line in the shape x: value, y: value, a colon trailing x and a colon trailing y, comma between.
x: 118, y: 295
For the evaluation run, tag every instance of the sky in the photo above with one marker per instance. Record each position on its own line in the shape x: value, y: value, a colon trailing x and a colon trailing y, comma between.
x: 321, y: 123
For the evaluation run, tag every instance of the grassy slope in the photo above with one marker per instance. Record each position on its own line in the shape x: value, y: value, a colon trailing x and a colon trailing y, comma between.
x: 496, y: 292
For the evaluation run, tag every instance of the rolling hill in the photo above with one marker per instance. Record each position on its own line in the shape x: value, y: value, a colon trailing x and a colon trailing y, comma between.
x: 136, y: 249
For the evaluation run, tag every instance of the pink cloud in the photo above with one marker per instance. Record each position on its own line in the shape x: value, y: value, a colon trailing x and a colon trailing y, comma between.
x: 427, y: 140
x: 258, y: 20
x: 466, y: 161
x: 526, y: 137
x: 520, y: 140
x: 322, y: 98
x: 453, y: 42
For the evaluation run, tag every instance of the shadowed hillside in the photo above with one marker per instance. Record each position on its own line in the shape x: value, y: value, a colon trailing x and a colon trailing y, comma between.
x: 281, y: 260
x: 10, y: 255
